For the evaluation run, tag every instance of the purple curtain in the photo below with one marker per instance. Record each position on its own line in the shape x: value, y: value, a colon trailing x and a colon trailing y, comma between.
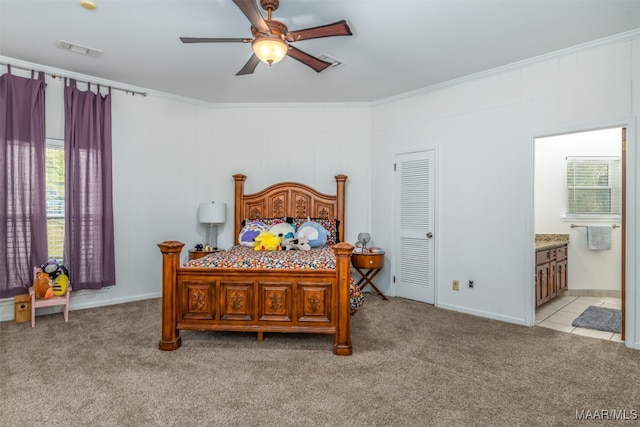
x: 89, y: 251
x: 23, y: 210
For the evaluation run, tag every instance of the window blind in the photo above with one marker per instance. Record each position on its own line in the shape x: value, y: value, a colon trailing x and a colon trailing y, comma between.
x: 593, y: 186
x: 54, y: 158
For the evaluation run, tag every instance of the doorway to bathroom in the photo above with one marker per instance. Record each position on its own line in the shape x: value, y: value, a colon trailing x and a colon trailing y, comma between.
x: 579, y: 193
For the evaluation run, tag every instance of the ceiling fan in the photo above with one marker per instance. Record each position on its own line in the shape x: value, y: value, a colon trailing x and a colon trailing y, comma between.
x: 272, y: 39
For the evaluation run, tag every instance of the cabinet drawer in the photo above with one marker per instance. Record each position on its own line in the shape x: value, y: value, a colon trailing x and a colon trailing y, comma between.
x: 368, y: 260
x: 542, y: 256
x: 561, y: 253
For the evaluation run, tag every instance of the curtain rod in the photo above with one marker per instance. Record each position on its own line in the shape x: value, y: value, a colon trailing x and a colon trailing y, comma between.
x: 55, y: 76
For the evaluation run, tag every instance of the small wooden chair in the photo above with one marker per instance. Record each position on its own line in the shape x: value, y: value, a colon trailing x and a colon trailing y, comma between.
x: 50, y: 302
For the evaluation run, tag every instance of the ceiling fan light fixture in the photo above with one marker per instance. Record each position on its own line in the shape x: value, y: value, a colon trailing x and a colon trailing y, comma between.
x: 269, y: 50
x: 88, y: 4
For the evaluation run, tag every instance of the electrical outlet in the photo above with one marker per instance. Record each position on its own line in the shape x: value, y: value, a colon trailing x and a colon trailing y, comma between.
x: 456, y: 285
x: 471, y: 283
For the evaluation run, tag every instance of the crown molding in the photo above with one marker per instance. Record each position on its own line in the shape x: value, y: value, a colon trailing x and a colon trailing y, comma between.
x: 617, y: 38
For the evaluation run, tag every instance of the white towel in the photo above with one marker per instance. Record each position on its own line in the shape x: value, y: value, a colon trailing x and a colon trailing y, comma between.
x: 599, y: 237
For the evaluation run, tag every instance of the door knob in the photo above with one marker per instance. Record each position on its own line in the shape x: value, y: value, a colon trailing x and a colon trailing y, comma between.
x: 429, y: 235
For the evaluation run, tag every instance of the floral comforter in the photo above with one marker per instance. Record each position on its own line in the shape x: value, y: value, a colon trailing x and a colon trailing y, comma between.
x: 245, y: 257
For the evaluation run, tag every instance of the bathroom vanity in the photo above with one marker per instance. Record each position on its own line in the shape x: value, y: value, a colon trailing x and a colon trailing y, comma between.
x: 551, y: 266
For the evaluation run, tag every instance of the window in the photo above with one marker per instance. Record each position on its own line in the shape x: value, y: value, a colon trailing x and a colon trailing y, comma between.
x: 593, y: 187
x: 54, y: 159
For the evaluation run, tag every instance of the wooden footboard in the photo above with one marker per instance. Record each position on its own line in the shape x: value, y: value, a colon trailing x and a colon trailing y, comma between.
x: 261, y: 300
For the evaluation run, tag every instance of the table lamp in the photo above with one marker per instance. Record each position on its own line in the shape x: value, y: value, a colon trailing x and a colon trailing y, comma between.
x: 363, y: 239
x: 212, y: 213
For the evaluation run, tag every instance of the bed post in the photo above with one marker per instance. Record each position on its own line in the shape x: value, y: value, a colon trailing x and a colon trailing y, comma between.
x: 340, y: 196
x: 171, y: 250
x: 238, y: 203
x: 342, y: 342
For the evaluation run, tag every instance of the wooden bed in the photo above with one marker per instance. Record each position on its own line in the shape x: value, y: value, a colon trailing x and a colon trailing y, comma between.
x: 262, y: 300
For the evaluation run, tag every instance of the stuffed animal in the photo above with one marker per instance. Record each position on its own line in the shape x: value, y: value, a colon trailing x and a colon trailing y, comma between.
x: 60, y: 285
x: 288, y: 244
x: 315, y: 234
x: 50, y: 267
x: 42, y: 286
x: 58, y: 276
x: 267, y: 242
x: 283, y: 230
x: 296, y: 244
x: 53, y: 269
x: 249, y: 232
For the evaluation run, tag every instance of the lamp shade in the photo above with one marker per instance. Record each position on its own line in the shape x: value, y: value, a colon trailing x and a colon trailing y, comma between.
x: 212, y: 212
x: 269, y: 49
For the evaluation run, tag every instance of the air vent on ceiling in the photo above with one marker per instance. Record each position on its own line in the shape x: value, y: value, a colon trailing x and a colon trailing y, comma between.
x: 77, y: 48
x: 335, y: 62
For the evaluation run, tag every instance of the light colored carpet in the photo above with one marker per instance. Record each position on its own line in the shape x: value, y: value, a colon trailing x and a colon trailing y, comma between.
x: 413, y: 365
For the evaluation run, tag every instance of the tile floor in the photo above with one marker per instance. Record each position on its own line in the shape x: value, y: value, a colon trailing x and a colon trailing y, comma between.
x: 560, y: 312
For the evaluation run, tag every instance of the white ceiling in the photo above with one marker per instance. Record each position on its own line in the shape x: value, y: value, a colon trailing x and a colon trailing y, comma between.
x: 397, y: 45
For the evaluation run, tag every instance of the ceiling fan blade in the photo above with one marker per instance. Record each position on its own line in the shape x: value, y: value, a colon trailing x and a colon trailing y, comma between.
x: 313, y: 62
x: 340, y: 28
x: 250, y: 10
x: 213, y: 40
x: 250, y: 66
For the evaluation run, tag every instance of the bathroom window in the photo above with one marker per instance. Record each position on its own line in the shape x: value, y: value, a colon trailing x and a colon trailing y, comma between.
x: 593, y: 187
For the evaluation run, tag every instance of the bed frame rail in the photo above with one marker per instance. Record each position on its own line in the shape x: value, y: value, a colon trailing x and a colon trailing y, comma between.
x: 178, y: 282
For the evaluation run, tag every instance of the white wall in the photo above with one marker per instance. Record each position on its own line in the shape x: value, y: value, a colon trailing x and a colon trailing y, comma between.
x: 592, y: 270
x: 170, y: 154
x: 483, y: 128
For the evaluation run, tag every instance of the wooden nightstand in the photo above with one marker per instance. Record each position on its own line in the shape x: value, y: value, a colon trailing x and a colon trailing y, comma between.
x: 368, y: 264
x: 195, y: 254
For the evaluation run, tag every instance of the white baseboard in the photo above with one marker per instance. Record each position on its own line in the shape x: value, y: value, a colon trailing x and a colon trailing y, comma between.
x: 485, y: 314
x: 79, y: 300
x: 593, y: 293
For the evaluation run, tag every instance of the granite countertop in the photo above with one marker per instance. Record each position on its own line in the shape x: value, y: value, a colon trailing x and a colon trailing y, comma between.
x: 544, y: 241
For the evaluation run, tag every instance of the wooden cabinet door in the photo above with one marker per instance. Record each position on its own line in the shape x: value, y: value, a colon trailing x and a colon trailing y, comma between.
x: 551, y: 273
x: 542, y: 279
x: 561, y: 275
x: 552, y: 280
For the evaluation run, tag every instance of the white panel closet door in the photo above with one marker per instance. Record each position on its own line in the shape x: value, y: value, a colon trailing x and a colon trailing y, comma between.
x: 414, y: 225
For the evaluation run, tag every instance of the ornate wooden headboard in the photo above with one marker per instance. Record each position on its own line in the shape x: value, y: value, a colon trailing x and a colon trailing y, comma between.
x: 290, y: 199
